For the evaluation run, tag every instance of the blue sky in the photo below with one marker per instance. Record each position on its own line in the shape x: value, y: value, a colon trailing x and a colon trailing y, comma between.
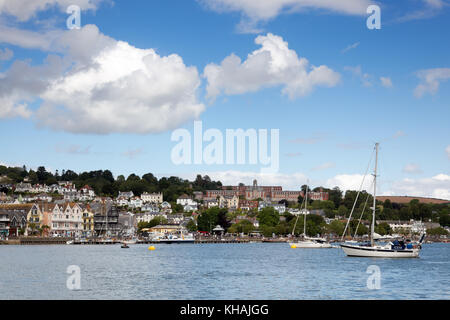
x: 326, y: 133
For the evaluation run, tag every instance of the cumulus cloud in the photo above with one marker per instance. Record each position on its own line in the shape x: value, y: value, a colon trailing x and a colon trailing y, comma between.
x: 22, y: 83
x: 23, y: 10
x: 412, y: 168
x: 42, y: 40
x: 350, y: 182
x: 102, y: 85
x: 255, y: 11
x: 386, y: 82
x: 430, y: 80
x: 437, y: 186
x: 274, y: 64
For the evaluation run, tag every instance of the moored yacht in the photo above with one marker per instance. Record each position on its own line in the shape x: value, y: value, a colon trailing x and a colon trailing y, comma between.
x: 308, y: 242
x: 394, y: 249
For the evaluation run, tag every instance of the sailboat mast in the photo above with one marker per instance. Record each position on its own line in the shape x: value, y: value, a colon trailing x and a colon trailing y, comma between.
x: 306, y: 203
x: 374, y: 193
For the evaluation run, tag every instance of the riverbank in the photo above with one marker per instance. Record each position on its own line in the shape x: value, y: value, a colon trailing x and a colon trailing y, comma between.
x: 59, y: 241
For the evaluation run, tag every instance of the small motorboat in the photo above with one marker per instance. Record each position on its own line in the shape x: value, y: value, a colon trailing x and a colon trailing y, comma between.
x: 124, y: 246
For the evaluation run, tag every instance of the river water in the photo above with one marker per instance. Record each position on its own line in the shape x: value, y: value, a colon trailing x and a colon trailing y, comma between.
x: 218, y: 271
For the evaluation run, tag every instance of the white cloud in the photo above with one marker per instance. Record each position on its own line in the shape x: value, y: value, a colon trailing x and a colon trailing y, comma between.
x: 350, y: 47
x: 23, y: 10
x: 273, y: 64
x: 429, y: 9
x: 255, y: 11
x: 448, y: 151
x: 6, y: 54
x: 386, y: 82
x: 357, y: 72
x: 412, y: 168
x: 430, y: 80
x: 437, y: 186
x: 350, y: 182
x: 42, y: 40
x: 102, y: 86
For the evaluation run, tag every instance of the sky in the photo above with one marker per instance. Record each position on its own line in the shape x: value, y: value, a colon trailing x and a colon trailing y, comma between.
x: 112, y: 93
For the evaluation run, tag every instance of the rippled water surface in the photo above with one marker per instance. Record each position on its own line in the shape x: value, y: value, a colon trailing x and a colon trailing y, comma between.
x: 218, y: 271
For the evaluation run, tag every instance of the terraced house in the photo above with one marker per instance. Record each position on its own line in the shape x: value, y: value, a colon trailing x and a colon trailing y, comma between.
x: 20, y: 218
x: 68, y: 221
x: 88, y: 221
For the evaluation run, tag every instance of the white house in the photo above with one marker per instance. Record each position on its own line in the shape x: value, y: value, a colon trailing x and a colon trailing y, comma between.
x: 189, y: 208
x: 135, y: 202
x: 152, y: 197
x: 150, y: 207
x: 122, y: 201
x: 87, y: 192
x: 186, y: 200
x: 127, y: 194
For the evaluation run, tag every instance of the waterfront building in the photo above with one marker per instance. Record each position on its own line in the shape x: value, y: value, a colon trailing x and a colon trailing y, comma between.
x: 49, y: 211
x: 27, y: 217
x: 67, y: 221
x: 127, y: 224
x: 4, y: 223
x: 148, y: 216
x: 88, y: 221
x: 106, y: 218
x: 165, y: 229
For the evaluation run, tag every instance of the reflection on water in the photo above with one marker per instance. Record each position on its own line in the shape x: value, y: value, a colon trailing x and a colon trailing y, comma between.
x: 218, y: 271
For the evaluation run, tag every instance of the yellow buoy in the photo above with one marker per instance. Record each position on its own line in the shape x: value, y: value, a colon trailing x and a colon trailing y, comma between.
x: 293, y: 246
x: 151, y: 248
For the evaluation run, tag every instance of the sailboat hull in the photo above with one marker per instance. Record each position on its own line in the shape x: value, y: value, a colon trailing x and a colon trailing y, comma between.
x: 310, y: 244
x: 378, y: 252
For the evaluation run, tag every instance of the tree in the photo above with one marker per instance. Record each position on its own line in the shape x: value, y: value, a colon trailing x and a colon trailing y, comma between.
x: 243, y: 226
x: 342, y: 210
x: 191, y: 226
x: 268, y: 217
x: 336, y: 227
x: 437, y: 231
x: 335, y: 195
x: 211, y: 217
x: 445, y: 220
x: 383, y: 228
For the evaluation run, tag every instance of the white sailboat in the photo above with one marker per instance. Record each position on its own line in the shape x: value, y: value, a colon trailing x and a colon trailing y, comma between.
x: 397, y: 249
x: 308, y: 242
